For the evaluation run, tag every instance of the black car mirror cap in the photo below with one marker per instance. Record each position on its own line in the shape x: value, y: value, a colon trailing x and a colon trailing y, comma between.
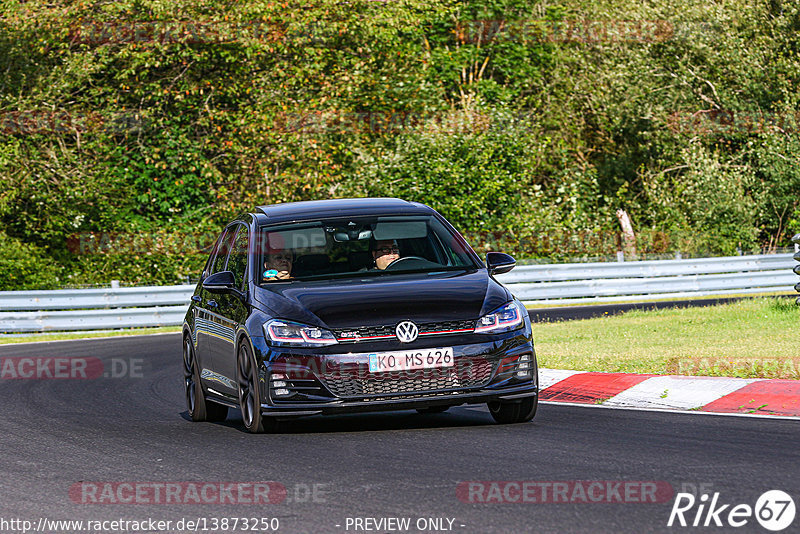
x: 499, y: 262
x: 221, y: 282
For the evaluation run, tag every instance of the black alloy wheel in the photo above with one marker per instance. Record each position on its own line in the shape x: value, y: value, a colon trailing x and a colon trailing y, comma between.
x: 199, y: 408
x: 511, y: 412
x: 249, y: 394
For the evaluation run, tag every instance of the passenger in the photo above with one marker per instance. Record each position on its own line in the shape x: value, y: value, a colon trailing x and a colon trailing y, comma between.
x: 384, y: 252
x: 278, y: 265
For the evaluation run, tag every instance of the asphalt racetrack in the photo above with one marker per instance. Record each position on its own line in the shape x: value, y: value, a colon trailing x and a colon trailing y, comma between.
x: 67, y: 445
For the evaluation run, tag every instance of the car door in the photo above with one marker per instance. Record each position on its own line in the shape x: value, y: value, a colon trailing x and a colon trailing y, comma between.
x: 233, y: 310
x: 200, y: 331
x: 211, y: 328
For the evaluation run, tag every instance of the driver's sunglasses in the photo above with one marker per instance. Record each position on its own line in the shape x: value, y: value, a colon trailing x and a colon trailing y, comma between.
x: 389, y: 250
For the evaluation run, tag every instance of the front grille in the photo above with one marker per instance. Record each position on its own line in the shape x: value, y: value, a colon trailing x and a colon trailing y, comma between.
x: 446, y: 326
x: 466, y: 373
x: 368, y: 333
x: 353, y: 334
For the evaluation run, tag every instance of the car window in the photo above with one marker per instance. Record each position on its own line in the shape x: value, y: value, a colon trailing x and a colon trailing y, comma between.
x: 208, y: 269
x: 342, y: 247
x: 223, y: 249
x: 237, y: 262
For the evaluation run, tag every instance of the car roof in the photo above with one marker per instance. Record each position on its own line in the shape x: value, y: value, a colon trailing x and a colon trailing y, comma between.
x: 344, y: 207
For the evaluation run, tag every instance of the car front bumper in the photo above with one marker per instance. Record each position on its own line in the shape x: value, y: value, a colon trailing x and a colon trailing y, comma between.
x: 491, y: 357
x: 410, y: 402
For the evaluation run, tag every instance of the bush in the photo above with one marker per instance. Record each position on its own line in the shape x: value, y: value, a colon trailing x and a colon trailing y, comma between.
x: 691, y: 128
x: 24, y: 266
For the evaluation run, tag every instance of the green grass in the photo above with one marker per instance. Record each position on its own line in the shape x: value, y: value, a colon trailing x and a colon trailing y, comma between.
x: 580, y: 302
x: 5, y: 340
x: 753, y: 338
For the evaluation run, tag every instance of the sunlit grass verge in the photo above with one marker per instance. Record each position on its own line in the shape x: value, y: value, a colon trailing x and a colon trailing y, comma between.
x: 571, y: 303
x: 752, y: 338
x: 4, y: 340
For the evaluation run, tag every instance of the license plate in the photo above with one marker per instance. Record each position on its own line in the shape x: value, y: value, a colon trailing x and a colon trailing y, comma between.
x: 411, y: 360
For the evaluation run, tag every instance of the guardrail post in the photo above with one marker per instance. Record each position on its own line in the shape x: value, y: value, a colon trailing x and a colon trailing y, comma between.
x: 620, y: 256
x: 678, y: 255
x: 796, y: 240
x: 115, y: 284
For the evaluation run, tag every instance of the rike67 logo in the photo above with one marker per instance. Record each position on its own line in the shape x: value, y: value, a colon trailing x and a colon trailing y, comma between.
x: 774, y: 510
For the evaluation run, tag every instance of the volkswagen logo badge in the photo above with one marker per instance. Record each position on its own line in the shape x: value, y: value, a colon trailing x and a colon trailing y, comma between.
x: 406, y: 332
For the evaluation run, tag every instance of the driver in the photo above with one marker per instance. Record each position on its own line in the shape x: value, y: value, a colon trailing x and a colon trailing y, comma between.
x: 384, y: 252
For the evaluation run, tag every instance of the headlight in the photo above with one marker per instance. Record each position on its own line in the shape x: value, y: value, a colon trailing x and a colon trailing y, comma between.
x: 296, y: 334
x: 505, y: 318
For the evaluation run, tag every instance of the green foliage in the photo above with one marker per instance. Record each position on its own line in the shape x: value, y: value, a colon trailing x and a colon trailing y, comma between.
x: 474, y: 179
x: 531, y: 126
x: 25, y: 266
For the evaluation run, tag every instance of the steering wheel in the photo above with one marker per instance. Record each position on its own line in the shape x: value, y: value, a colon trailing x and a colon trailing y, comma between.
x: 398, y: 261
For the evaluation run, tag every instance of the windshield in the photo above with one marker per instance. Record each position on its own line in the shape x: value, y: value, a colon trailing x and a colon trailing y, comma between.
x: 361, y: 246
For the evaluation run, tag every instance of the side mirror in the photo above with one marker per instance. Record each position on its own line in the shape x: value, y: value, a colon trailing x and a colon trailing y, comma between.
x: 499, y: 263
x: 221, y: 282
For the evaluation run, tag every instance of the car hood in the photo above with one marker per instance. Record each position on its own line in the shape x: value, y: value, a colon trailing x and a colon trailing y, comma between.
x: 381, y: 300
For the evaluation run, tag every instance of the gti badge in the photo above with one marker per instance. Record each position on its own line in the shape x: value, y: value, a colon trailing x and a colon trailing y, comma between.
x: 406, y: 332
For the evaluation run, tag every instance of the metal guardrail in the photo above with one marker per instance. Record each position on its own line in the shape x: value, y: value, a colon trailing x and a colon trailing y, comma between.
x: 93, y: 309
x: 650, y: 280
x: 796, y: 241
x: 110, y: 319
x: 584, y: 283
x: 74, y: 299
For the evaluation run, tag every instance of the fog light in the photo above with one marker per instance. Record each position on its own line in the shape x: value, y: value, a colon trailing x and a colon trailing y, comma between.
x: 278, y: 376
x: 524, y: 366
x: 278, y: 384
x: 525, y: 358
x: 280, y: 392
x: 522, y: 374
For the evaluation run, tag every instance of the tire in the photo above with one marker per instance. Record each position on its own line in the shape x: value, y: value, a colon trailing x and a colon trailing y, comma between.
x: 199, y: 408
x: 250, y: 394
x: 433, y: 409
x: 514, y: 411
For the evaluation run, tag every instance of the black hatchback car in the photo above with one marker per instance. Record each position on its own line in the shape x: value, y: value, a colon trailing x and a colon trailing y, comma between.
x: 340, y: 306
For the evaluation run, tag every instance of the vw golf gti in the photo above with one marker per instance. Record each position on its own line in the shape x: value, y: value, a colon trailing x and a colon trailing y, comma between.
x: 353, y: 305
